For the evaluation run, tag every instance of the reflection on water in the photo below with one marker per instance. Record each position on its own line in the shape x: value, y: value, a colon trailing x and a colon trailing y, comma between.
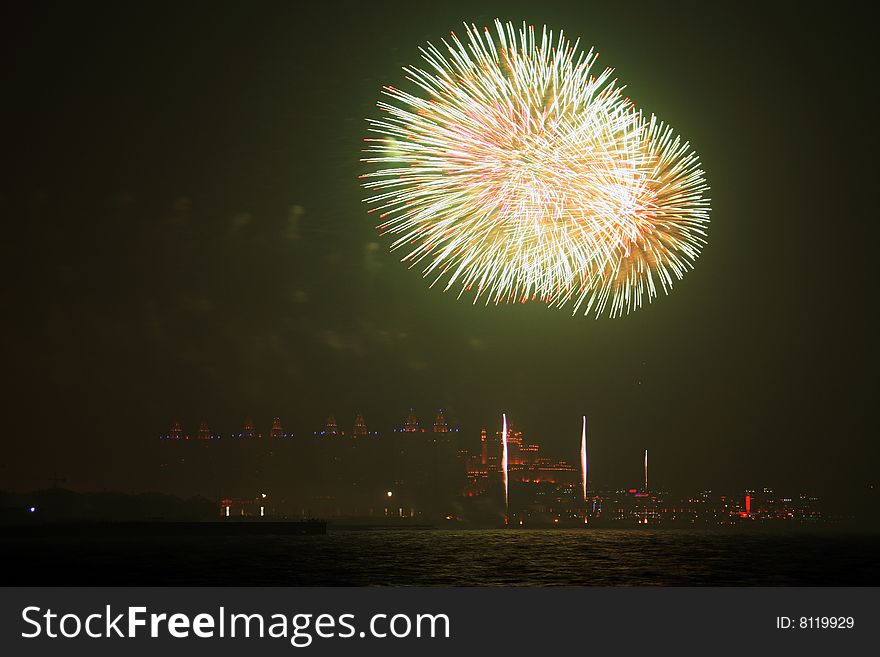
x: 603, y: 557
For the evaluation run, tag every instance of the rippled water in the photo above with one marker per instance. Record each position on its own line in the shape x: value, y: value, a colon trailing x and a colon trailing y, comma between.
x: 601, y: 557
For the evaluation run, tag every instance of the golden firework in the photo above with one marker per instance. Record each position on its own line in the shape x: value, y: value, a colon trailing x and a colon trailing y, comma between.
x: 515, y: 171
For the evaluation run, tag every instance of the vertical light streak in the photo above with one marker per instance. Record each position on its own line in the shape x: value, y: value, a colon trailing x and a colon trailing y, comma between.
x: 504, y: 464
x: 646, y: 471
x: 584, y: 457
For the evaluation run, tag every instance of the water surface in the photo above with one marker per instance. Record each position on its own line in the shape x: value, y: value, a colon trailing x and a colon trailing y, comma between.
x: 599, y: 557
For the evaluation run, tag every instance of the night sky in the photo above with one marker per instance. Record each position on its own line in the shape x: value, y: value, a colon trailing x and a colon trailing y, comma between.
x: 185, y: 238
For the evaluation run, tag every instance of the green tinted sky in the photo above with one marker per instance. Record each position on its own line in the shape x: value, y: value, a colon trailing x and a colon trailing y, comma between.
x: 186, y: 239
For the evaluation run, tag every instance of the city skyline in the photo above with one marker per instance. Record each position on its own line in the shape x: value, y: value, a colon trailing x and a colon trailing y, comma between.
x: 440, y: 476
x: 577, y: 295
x: 570, y: 458
x: 188, y: 238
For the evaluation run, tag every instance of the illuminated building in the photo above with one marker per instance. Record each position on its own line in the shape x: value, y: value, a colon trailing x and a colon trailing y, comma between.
x: 521, y: 454
x: 514, y: 444
x: 440, y: 478
x: 525, y: 466
x: 411, y: 424
x: 330, y: 429
x: 440, y: 425
x: 551, y: 471
x: 493, y: 455
x: 244, y: 508
x: 476, y: 467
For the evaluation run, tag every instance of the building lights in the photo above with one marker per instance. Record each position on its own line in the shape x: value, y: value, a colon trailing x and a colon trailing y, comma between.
x: 471, y: 472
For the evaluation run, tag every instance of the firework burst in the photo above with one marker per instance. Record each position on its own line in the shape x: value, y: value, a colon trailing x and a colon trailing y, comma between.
x: 516, y: 171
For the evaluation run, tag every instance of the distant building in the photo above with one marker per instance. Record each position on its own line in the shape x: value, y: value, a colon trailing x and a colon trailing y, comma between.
x: 520, y: 453
x: 525, y: 466
x: 360, y: 426
x: 204, y: 431
x: 244, y: 508
x: 411, y: 424
x: 276, y: 431
x: 440, y: 424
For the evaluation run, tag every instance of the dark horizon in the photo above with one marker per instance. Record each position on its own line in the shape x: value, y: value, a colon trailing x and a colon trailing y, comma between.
x: 187, y: 240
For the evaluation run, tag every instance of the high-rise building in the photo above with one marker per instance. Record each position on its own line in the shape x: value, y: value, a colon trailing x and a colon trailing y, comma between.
x: 248, y: 429
x: 494, y: 451
x: 360, y: 426
x: 204, y: 431
x: 176, y: 431
x: 276, y: 431
x: 515, y: 445
x: 330, y: 427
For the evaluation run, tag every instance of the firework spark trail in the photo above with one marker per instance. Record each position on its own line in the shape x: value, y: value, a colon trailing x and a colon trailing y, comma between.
x: 504, y: 464
x: 517, y: 171
x: 584, y: 458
